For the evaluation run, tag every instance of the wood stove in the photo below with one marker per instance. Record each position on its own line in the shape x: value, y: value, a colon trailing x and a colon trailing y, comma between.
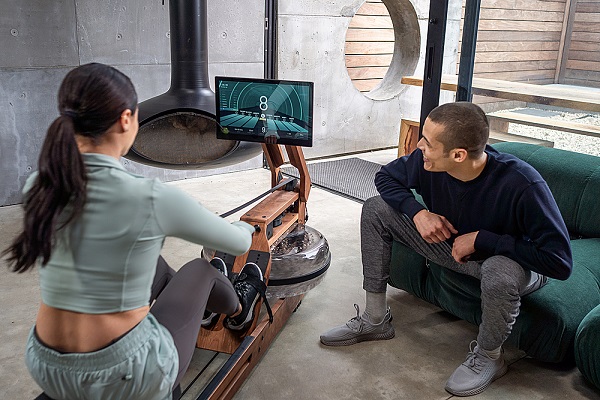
x: 178, y: 128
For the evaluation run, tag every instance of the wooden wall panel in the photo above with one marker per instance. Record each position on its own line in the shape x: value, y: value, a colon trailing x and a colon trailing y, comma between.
x: 539, y: 41
x: 592, y: 66
x: 591, y: 16
x: 367, y: 72
x: 518, y: 39
x: 533, y: 5
x: 489, y: 14
x: 369, y: 48
x: 520, y: 26
x: 511, y: 56
x: 366, y: 85
x: 516, y: 46
x: 517, y: 36
x: 370, y: 21
x: 369, y: 45
x: 573, y: 75
x: 582, y: 64
x: 586, y: 6
x: 514, y: 66
x: 364, y: 61
x: 518, y: 76
x: 585, y: 46
x: 586, y: 36
x: 370, y: 35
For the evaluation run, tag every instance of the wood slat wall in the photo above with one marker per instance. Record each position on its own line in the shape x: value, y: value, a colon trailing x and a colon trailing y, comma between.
x: 539, y: 41
x: 369, y: 45
x: 582, y: 66
x: 535, y: 41
x: 519, y: 40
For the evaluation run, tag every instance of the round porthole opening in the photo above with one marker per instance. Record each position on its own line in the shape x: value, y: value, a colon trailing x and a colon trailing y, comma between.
x: 383, y: 42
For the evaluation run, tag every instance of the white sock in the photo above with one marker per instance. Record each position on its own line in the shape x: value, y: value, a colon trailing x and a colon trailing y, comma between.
x: 493, y: 354
x: 376, y: 307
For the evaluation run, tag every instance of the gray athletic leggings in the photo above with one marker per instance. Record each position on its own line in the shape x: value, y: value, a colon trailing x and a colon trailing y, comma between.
x: 181, y: 298
x: 503, y: 281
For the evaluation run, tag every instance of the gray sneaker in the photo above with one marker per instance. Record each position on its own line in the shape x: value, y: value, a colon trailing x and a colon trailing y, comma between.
x: 359, y: 329
x: 475, y: 374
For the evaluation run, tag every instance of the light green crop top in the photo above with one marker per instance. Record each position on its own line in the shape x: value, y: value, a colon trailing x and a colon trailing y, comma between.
x: 105, y: 261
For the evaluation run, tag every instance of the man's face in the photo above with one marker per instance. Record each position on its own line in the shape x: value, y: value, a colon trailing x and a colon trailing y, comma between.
x: 434, y: 157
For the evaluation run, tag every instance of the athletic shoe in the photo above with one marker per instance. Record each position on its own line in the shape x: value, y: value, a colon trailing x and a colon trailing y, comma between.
x: 250, y: 287
x: 359, y: 329
x: 477, y: 372
x: 209, y: 317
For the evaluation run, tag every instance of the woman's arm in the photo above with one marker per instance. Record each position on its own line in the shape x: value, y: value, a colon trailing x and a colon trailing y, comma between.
x: 179, y: 215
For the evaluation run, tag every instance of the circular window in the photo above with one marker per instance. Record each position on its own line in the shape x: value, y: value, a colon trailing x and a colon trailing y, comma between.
x: 382, y: 45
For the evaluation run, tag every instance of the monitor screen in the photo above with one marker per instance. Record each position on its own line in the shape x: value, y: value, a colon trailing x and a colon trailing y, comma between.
x: 264, y: 110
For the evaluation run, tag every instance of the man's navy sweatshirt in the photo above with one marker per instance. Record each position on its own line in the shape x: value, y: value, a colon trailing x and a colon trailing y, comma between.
x: 509, y: 203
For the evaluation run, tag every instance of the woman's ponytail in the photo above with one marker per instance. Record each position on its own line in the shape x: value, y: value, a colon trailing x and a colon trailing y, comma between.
x: 61, y: 181
x: 91, y: 99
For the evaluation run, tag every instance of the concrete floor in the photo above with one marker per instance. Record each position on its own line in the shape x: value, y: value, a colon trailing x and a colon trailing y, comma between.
x: 428, y: 346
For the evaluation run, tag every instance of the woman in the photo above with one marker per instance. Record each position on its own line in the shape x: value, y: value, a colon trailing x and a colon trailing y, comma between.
x: 97, y: 231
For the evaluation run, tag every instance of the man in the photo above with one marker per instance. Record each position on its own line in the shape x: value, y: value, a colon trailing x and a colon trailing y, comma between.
x: 489, y: 215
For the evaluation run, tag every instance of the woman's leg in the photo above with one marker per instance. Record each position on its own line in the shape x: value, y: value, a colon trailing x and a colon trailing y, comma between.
x: 162, y: 277
x: 180, y: 307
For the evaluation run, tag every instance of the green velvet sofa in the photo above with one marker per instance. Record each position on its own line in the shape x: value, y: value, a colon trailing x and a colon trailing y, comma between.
x: 550, y: 318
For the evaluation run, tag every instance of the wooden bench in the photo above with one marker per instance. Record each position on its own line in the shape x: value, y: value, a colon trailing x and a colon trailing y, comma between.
x: 409, y: 136
x: 499, y: 121
x: 552, y: 95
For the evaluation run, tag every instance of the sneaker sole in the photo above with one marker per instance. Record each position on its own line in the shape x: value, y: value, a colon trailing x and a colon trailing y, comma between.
x: 364, y: 338
x: 248, y: 319
x: 212, y: 319
x: 480, y: 389
x: 222, y: 268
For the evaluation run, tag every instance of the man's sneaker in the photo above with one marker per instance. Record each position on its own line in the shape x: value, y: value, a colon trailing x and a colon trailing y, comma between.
x: 209, y: 317
x: 359, y: 329
x: 476, y: 373
x: 250, y: 287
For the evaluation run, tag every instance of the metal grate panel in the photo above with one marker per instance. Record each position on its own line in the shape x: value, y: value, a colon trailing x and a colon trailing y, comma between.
x: 349, y: 177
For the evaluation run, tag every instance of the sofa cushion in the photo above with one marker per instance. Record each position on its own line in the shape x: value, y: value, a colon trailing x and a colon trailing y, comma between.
x: 549, y: 318
x: 587, y: 346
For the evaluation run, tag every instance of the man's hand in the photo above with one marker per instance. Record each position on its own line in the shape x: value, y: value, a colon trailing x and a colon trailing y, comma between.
x: 433, y: 228
x: 463, y: 247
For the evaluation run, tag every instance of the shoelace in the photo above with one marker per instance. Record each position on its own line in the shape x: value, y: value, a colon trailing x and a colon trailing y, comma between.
x: 258, y: 285
x: 473, y: 361
x: 355, y: 322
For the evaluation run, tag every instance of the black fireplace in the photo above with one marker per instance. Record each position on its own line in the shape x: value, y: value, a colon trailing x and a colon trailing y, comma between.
x: 178, y: 128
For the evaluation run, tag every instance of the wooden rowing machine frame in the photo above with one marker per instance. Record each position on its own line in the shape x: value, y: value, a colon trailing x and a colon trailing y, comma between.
x: 247, y: 350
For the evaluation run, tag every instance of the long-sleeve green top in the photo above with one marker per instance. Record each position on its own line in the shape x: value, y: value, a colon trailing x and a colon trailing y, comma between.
x: 104, y: 261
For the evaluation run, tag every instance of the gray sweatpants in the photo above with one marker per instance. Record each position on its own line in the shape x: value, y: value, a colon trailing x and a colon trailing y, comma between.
x: 503, y: 281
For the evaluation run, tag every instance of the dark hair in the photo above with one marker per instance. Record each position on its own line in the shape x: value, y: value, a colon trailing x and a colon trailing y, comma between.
x: 91, y: 99
x: 465, y: 127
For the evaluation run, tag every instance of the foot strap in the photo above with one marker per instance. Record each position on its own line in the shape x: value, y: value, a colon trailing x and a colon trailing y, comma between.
x: 261, y: 288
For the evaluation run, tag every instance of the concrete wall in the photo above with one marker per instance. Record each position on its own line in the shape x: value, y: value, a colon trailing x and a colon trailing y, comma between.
x: 311, y: 47
x: 40, y: 41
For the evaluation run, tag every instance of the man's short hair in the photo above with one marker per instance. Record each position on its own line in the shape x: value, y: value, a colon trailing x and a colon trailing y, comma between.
x: 465, y: 127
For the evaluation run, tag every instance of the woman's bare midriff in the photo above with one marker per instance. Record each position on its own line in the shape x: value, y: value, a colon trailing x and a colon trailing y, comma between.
x: 73, y: 332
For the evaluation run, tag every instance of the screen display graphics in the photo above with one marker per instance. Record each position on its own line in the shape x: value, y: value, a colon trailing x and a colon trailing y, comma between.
x: 261, y: 110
